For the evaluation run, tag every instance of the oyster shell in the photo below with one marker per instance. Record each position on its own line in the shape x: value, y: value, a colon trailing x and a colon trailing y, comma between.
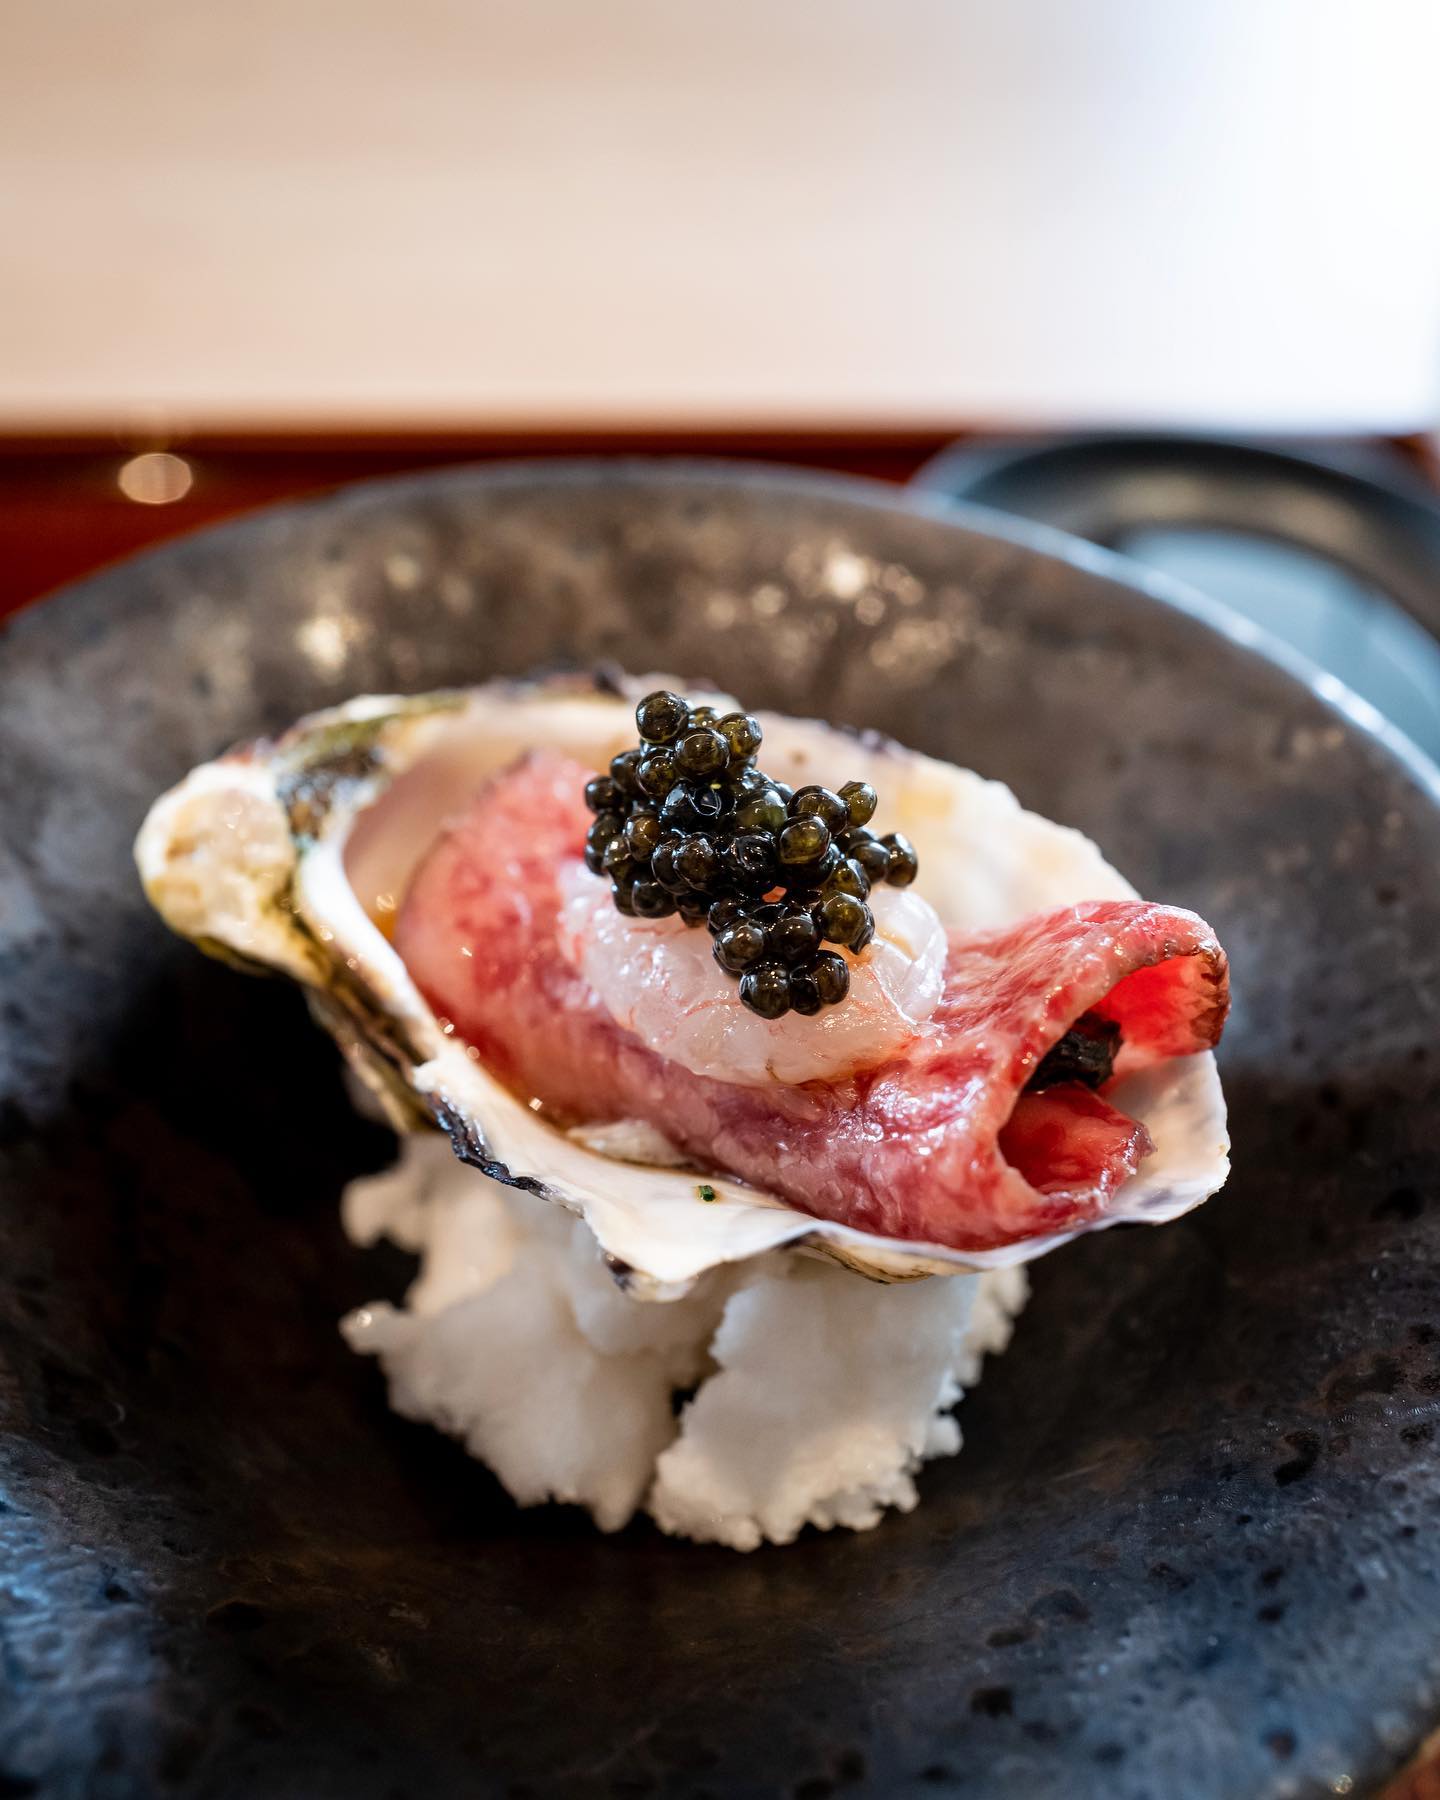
x: 291, y: 855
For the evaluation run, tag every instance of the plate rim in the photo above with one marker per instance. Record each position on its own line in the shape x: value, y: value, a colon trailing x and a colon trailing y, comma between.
x: 867, y: 492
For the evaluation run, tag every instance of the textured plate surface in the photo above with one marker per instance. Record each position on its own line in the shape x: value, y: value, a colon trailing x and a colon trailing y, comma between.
x: 1188, y: 1548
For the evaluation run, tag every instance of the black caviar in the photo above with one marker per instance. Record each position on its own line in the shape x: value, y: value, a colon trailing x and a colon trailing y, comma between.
x: 1085, y: 1054
x: 687, y: 823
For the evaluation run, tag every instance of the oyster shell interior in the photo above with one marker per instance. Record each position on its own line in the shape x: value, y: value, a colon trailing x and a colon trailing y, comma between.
x: 293, y: 855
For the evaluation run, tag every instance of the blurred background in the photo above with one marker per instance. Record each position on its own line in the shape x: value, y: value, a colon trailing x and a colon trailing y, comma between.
x: 252, y: 251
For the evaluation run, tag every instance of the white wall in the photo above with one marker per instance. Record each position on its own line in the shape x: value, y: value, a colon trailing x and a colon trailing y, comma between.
x: 1221, y: 211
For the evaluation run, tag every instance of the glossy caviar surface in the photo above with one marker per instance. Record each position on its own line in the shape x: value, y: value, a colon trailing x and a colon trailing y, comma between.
x: 1085, y: 1054
x: 687, y: 823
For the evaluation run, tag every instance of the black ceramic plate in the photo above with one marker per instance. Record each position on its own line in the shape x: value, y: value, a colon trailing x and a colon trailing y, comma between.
x: 1188, y: 1549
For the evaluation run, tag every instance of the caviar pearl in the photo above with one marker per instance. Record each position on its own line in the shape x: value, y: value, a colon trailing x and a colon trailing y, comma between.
x: 681, y: 810
x: 849, y: 878
x: 866, y: 850
x: 739, y: 945
x: 766, y: 990
x: 820, y: 803
x: 803, y: 842
x: 642, y: 835
x: 603, y: 794
x: 618, y: 860
x: 662, y: 862
x: 794, y: 938
x: 660, y: 717
x: 904, y: 864
x: 860, y: 801
x: 762, y: 811
x: 657, y: 773
x: 832, y: 977
x: 741, y: 733
x: 622, y: 770
x: 819, y: 873
x: 804, y: 992
x: 697, y: 862
x: 651, y: 901
x: 702, y: 754
x: 751, y: 860
x: 842, y: 918
x: 723, y: 913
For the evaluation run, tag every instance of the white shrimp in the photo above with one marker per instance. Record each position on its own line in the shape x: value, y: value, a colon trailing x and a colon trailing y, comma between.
x: 658, y: 979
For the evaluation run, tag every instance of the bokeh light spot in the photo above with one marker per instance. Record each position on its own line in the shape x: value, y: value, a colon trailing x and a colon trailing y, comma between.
x: 155, y: 478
